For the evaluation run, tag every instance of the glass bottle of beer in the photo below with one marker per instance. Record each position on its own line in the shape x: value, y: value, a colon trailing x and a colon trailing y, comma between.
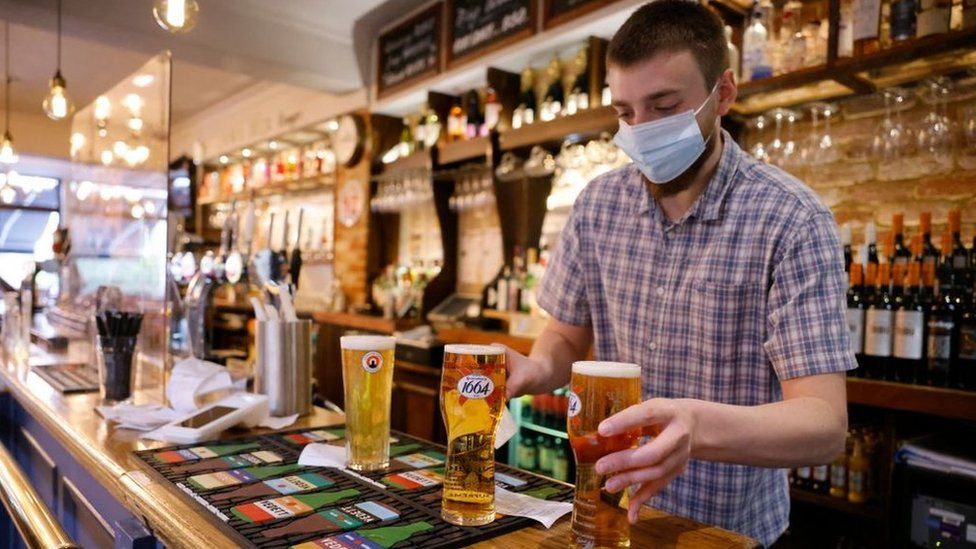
x: 527, y: 455
x: 858, y: 470
x: 878, y: 324
x: 855, y: 316
x: 838, y: 475
x: 821, y: 479
x: 546, y: 453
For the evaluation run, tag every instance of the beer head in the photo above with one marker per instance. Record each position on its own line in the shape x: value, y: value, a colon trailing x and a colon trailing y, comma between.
x: 599, y: 368
x: 465, y: 349
x: 367, y: 343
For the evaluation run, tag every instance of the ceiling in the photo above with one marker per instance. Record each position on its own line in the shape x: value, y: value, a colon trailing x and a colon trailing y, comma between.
x: 236, y: 44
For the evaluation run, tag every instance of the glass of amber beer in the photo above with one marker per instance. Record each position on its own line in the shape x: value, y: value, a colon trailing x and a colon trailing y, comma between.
x: 472, y: 400
x: 599, y: 390
x: 367, y: 376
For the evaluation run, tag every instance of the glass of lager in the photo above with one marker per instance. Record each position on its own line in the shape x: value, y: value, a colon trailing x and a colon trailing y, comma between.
x: 472, y: 399
x: 367, y: 376
x: 599, y: 390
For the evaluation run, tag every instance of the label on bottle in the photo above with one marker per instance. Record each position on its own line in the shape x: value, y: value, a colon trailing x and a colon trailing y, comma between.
x: 902, y: 20
x: 560, y: 468
x: 574, y: 406
x: 867, y: 18
x: 940, y: 340
x: 298, y: 483
x: 803, y: 472
x: 909, y: 327
x: 372, y: 362
x: 526, y: 457
x: 545, y: 458
x: 475, y: 386
x: 967, y: 342
x: 877, y: 332
x: 414, y: 480
x: 502, y: 300
x: 820, y: 473
x: 838, y: 476
x: 855, y: 325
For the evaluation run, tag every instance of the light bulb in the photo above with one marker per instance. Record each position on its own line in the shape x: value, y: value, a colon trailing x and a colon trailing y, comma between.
x: 134, y: 103
x: 246, y: 152
x: 7, y: 153
x: 176, y: 16
x: 57, y: 104
x: 8, y: 194
x: 119, y: 148
x: 135, y: 125
x: 107, y: 157
x: 103, y: 108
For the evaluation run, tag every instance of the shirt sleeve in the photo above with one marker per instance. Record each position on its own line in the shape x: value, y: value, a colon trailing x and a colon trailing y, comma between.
x: 807, y: 325
x: 562, y: 293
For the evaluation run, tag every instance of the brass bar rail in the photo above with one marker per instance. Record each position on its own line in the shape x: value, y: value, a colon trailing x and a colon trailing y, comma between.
x: 38, y: 526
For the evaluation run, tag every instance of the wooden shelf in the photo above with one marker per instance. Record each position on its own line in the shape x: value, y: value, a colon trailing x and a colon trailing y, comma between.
x: 305, y: 184
x: 478, y: 148
x: 950, y: 403
x: 868, y: 510
x: 417, y: 160
x: 905, y: 62
x: 363, y: 322
x: 587, y: 123
x: 481, y: 337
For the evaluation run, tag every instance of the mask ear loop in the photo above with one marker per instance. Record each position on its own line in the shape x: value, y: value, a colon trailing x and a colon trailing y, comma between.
x: 702, y: 106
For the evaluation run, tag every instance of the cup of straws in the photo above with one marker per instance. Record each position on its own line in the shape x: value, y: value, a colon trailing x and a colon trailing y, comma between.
x: 118, y: 332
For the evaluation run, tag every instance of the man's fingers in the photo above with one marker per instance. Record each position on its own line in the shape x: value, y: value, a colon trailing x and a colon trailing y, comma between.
x: 638, y: 416
x: 672, y: 465
x: 645, y: 492
x: 647, y: 455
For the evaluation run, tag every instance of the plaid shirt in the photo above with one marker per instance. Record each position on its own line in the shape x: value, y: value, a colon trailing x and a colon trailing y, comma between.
x: 746, y: 290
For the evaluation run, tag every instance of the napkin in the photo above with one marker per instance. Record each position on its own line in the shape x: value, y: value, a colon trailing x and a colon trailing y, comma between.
x: 139, y: 417
x: 317, y: 454
x: 192, y: 378
x: 521, y: 505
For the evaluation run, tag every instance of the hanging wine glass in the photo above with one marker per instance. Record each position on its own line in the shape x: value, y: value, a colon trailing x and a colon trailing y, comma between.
x: 759, y: 150
x: 780, y: 149
x: 824, y: 151
x: 890, y: 140
x: 935, y: 132
x: 967, y: 151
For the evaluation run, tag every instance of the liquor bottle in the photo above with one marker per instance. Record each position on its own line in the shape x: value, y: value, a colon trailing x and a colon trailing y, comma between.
x: 820, y: 482
x: 456, y: 122
x: 930, y: 254
x: 525, y: 113
x: 578, y: 98
x: 878, y: 324
x: 755, y: 64
x: 858, y: 470
x: 794, y: 42
x: 561, y: 460
x: 867, y: 26
x: 432, y: 128
x: 856, y: 306
x: 735, y: 61
x: 901, y: 255
x: 903, y: 18
x: 959, y: 256
x: 838, y: 476
x: 553, y: 99
x: 943, y: 330
x: 405, y: 146
x: 514, y: 289
x: 527, y: 454
x: 934, y: 17
x: 493, y: 111
x: 473, y: 119
x: 909, y: 345
x: 502, y: 289
x: 845, y: 29
x: 845, y: 239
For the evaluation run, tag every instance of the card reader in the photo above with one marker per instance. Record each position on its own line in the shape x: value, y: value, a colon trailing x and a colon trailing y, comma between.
x: 246, y: 409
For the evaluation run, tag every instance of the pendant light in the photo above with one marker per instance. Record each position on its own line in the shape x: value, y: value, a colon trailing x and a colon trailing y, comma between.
x: 57, y: 104
x: 7, y: 153
x: 176, y: 16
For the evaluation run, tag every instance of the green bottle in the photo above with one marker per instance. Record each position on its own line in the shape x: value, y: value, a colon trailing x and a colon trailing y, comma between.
x: 560, y: 462
x: 321, y: 499
x: 391, y: 535
x: 527, y: 453
x: 545, y: 450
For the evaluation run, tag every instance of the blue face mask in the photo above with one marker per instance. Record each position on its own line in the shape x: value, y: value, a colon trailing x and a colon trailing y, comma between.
x: 664, y: 149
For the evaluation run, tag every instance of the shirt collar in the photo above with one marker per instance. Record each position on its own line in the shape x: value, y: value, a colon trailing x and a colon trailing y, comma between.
x: 709, y: 205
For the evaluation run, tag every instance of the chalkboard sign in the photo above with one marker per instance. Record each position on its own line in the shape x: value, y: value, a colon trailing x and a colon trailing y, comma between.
x: 475, y: 25
x: 411, y: 50
x: 557, y: 12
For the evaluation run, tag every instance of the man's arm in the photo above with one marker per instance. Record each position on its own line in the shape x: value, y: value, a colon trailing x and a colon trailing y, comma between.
x: 549, y: 364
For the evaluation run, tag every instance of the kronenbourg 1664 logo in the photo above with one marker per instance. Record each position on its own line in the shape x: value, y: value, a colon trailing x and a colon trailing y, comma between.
x: 476, y: 386
x: 372, y: 362
x: 574, y: 404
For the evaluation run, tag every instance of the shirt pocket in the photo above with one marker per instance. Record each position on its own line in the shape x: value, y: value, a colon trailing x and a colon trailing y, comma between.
x: 726, y: 322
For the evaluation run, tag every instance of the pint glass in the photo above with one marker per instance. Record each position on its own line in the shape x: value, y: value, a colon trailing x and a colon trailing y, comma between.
x: 599, y: 390
x: 472, y: 399
x: 367, y: 376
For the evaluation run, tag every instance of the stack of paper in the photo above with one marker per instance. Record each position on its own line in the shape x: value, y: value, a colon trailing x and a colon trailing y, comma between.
x: 952, y: 455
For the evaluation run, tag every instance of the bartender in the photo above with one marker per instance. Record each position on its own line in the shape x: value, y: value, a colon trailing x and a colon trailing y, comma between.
x: 719, y: 275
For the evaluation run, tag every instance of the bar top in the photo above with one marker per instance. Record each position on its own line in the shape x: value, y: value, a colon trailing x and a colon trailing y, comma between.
x: 106, y: 452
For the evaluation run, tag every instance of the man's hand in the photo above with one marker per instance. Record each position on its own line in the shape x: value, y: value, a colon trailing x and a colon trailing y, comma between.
x: 522, y: 373
x: 655, y: 464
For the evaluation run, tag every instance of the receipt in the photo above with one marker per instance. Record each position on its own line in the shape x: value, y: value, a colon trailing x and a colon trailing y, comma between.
x: 192, y: 378
x: 317, y: 454
x: 521, y: 505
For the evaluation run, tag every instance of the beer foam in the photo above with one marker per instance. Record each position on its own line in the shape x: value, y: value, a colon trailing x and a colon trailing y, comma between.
x: 599, y: 368
x: 463, y: 349
x: 367, y: 343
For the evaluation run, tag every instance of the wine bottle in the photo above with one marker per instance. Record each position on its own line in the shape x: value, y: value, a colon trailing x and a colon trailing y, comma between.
x: 879, y: 321
x: 493, y: 111
x: 930, y: 254
x: 845, y: 239
x: 871, y: 241
x: 909, y: 338
x: 856, y: 307
x: 943, y: 331
x: 960, y: 256
x: 901, y: 255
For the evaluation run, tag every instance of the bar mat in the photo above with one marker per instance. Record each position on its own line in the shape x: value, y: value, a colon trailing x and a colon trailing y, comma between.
x: 254, y: 490
x: 69, y: 378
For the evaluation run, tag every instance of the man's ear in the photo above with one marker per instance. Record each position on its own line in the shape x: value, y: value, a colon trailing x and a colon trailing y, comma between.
x: 728, y: 90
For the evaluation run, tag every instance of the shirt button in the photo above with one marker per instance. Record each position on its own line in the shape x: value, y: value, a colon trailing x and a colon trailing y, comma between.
x: 653, y: 346
x: 660, y: 290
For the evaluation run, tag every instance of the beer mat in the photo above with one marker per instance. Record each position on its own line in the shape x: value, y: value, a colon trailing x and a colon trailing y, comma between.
x: 254, y: 490
x: 69, y: 378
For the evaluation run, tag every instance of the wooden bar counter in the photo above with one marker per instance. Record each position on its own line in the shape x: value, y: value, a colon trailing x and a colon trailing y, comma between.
x: 105, y: 453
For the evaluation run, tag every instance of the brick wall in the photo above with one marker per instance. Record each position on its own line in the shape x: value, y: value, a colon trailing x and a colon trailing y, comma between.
x: 861, y: 187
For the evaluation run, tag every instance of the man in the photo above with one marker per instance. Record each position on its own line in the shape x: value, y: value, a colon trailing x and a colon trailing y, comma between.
x: 720, y: 276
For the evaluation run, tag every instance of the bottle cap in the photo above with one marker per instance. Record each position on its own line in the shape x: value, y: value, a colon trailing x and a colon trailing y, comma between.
x: 898, y: 223
x: 925, y: 222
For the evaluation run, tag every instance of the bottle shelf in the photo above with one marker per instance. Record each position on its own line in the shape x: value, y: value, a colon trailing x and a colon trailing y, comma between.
x: 477, y: 148
x: 937, y: 401
x: 587, y: 123
x: 312, y: 183
x: 869, y: 509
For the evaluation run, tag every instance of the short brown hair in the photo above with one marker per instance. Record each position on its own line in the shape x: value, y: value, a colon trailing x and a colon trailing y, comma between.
x: 671, y: 26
